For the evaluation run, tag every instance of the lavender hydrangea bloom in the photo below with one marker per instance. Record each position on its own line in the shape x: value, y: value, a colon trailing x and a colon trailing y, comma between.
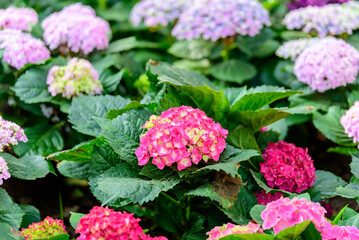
x: 18, y: 18
x: 4, y: 174
x: 157, y: 12
x: 10, y: 133
x: 350, y: 122
x: 76, y: 78
x: 292, y: 49
x: 21, y: 48
x: 221, y: 19
x: 319, y: 3
x: 77, y: 29
x: 332, y: 19
x: 328, y: 64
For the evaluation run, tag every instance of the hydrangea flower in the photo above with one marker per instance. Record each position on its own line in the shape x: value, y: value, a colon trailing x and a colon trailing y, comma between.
x: 78, y: 77
x: 221, y: 19
x: 77, y: 29
x: 284, y: 213
x: 292, y: 49
x: 320, y: 20
x: 350, y: 122
x: 327, y: 208
x: 106, y: 224
x: 304, y: 3
x: 157, y: 12
x: 181, y: 135
x: 10, y: 133
x: 264, y: 198
x: 21, y: 48
x: 45, y: 229
x: 18, y: 18
x: 4, y: 174
x: 229, y: 228
x: 287, y: 167
x: 328, y: 64
x: 334, y: 232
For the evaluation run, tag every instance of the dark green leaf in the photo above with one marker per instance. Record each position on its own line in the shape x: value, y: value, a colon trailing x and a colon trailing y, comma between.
x: 110, y: 81
x: 80, y: 153
x: 10, y: 212
x: 32, y: 215
x: 71, y: 169
x: 311, y: 233
x: 292, y: 233
x: 236, y: 71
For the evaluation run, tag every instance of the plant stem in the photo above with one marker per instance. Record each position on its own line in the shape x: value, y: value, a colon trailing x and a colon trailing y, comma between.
x: 61, y: 206
x: 170, y: 198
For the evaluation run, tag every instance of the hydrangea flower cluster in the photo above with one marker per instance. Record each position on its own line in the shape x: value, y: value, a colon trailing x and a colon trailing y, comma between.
x: 157, y: 12
x: 221, y: 19
x: 4, y: 174
x: 350, y: 122
x: 77, y: 29
x: 292, y: 49
x: 18, y: 18
x: 328, y: 64
x: 264, y: 198
x: 181, y: 135
x: 229, y: 228
x: 45, y: 229
x: 284, y: 213
x: 78, y: 77
x: 304, y: 3
x: 21, y: 48
x: 334, y: 232
x: 287, y: 167
x: 10, y: 133
x: 320, y: 20
x: 106, y: 224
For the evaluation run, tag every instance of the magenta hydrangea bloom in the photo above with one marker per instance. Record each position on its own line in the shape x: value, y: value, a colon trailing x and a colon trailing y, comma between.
x: 106, y: 224
x: 350, y: 122
x: 328, y: 64
x: 157, y: 12
x: 334, y: 232
x: 287, y: 167
x: 284, y: 213
x: 45, y: 229
x: 21, y: 48
x: 228, y: 229
x: 4, y: 174
x: 292, y: 49
x: 264, y: 198
x: 181, y: 135
x: 320, y: 20
x: 76, y: 29
x: 221, y: 19
x: 10, y: 133
x: 78, y: 77
x: 18, y: 18
x: 319, y: 3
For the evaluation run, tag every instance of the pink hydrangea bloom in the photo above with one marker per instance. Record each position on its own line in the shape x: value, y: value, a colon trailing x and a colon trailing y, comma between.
x: 4, y: 174
x: 350, y: 122
x: 106, y: 224
x: 77, y: 29
x: 304, y: 3
x: 328, y: 64
x: 45, y: 229
x: 229, y: 228
x: 78, y: 77
x: 21, y: 48
x: 292, y: 49
x: 287, y: 167
x: 181, y: 135
x: 334, y: 232
x: 18, y: 18
x: 10, y: 133
x: 327, y: 208
x: 264, y: 198
x: 284, y: 213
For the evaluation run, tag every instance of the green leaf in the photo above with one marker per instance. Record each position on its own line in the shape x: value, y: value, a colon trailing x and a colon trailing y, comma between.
x: 354, y: 165
x: 349, y: 191
x: 353, y: 97
x: 80, y: 153
x: 253, y: 236
x: 262, y: 183
x: 339, y: 216
x: 292, y: 35
x: 110, y: 81
x: 75, y: 219
x: 85, y: 108
x: 311, y: 233
x: 236, y: 71
x: 343, y: 150
x: 103, y: 158
x: 193, y: 49
x: 352, y: 221
x: 6, y: 233
x: 32, y: 215
x: 114, y: 113
x: 243, y: 138
x: 256, y: 212
x: 10, y: 212
x: 152, y: 171
x: 59, y: 237
x: 71, y: 169
x: 234, y: 94
x: 129, y: 43
x: 169, y: 216
x: 292, y: 233
x: 326, y: 183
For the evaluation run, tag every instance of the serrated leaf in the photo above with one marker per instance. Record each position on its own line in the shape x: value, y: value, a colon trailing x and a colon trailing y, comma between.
x: 236, y: 71
x: 114, y: 113
x: 152, y: 171
x: 85, y: 108
x: 234, y: 94
x: 349, y: 191
x: 71, y: 169
x: 80, y: 153
x: 293, y: 232
x: 262, y: 183
x: 75, y: 218
x: 32, y: 215
x: 194, y: 49
x: 256, y: 212
x: 10, y: 212
x: 326, y: 183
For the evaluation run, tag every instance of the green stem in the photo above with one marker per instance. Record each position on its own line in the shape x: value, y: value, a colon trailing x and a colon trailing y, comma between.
x: 170, y: 198
x: 102, y: 4
x: 61, y: 206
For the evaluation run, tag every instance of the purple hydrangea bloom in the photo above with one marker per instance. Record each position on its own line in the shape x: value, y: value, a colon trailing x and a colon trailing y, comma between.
x: 157, y: 12
x: 328, y: 64
x: 21, y: 48
x: 332, y: 19
x: 10, y: 133
x: 77, y: 29
x: 221, y: 19
x: 350, y: 122
x: 319, y: 3
x: 292, y: 49
x: 4, y: 174
x: 18, y: 18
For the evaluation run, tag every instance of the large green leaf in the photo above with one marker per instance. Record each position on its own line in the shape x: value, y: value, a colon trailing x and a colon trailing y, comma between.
x: 234, y: 94
x: 326, y: 183
x: 6, y: 233
x: 354, y: 166
x: 110, y: 81
x: 129, y: 43
x: 85, y: 108
x: 236, y: 71
x: 311, y: 233
x: 71, y: 169
x: 256, y: 212
x: 193, y: 49
x: 349, y: 191
x: 32, y: 215
x: 292, y: 233
x: 10, y: 212
x: 80, y: 153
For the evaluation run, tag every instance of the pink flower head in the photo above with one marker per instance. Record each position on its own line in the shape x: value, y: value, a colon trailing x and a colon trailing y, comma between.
x: 10, y: 133
x: 294, y: 4
x: 18, y: 18
x: 350, y: 122
x: 45, y: 229
x: 284, y: 213
x: 181, y: 135
x: 106, y: 224
x: 229, y: 228
x: 328, y: 64
x: 77, y: 29
x: 21, y: 48
x: 327, y: 208
x: 292, y: 49
x: 4, y: 174
x: 264, y: 198
x: 78, y: 77
x: 334, y: 232
x: 287, y: 167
